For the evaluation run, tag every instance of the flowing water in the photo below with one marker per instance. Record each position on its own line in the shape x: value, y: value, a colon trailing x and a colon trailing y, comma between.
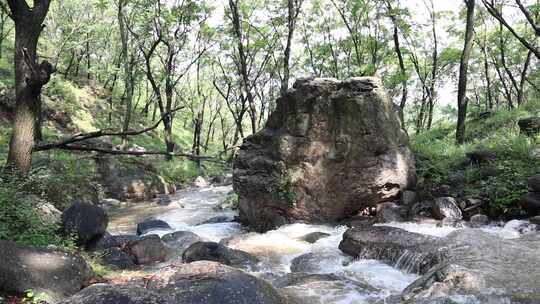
x: 276, y: 249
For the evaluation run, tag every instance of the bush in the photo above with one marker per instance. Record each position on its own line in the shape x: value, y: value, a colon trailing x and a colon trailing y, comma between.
x: 20, y: 220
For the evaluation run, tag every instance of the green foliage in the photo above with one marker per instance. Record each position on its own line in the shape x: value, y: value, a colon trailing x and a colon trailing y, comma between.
x: 21, y: 220
x: 283, y: 187
x: 439, y: 159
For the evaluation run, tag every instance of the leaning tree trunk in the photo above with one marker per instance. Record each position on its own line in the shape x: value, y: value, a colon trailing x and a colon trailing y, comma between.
x: 29, y: 79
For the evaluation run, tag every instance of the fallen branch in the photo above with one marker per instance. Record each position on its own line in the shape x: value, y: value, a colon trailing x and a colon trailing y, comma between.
x: 100, y: 133
x: 139, y: 153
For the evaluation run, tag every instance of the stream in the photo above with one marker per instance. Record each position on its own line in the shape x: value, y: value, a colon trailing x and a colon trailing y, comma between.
x: 276, y: 249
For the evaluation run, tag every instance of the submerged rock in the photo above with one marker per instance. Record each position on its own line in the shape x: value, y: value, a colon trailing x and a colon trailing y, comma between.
x: 314, y: 237
x: 330, y: 149
x: 213, y: 283
x: 53, y: 274
x: 151, y: 224
x: 210, y: 251
x: 479, y: 220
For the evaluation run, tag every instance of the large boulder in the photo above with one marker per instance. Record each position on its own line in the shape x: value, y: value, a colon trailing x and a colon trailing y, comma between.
x: 530, y: 202
x: 446, y: 208
x: 210, y: 251
x: 86, y: 221
x: 117, y: 294
x: 534, y: 183
x: 51, y: 273
x: 330, y: 149
x: 213, y: 283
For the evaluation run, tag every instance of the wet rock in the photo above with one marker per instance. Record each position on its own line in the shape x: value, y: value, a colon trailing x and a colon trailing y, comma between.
x: 389, y: 212
x: 479, y: 220
x: 213, y: 283
x: 179, y: 241
x: 406, y: 250
x: 112, y: 241
x: 480, y: 156
x: 210, y: 251
x: 151, y: 224
x: 477, y: 263
x: 53, y: 273
x: 314, y: 262
x: 535, y: 220
x: 147, y: 250
x: 330, y: 149
x: 313, y: 237
x: 200, y: 182
x: 109, y: 203
x: 117, y: 259
x: 422, y: 208
x: 529, y: 126
x: 408, y: 198
x: 217, y: 220
x: 530, y: 202
x: 360, y: 221
x: 446, y: 208
x: 534, y: 183
x: 86, y: 221
x: 117, y: 294
x: 163, y: 200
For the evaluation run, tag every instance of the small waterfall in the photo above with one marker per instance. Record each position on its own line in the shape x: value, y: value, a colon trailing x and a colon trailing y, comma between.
x: 413, y: 262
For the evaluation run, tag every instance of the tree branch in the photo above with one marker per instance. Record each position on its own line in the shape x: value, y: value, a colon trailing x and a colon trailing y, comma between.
x: 100, y: 133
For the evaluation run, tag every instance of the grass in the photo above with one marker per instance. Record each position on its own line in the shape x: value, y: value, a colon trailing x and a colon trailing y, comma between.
x: 439, y: 160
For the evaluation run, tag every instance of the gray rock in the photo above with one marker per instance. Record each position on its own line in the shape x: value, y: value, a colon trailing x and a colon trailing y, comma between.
x: 151, y: 224
x: 530, y: 202
x: 534, y: 183
x: 535, y: 220
x: 117, y: 294
x: 408, y: 198
x: 313, y: 237
x: 86, y: 221
x: 210, y: 251
x: 55, y: 274
x: 217, y: 220
x: 529, y: 126
x: 213, y: 283
x: 330, y: 149
x: 479, y: 220
x: 406, y: 250
x: 112, y: 241
x: 312, y: 262
x: 147, y: 250
x: 179, y: 241
x: 480, y: 156
x: 389, y: 212
x: 446, y: 208
x: 117, y: 259
x: 200, y: 182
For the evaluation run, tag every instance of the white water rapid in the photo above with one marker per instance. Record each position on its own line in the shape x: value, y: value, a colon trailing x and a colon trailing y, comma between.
x: 277, y: 248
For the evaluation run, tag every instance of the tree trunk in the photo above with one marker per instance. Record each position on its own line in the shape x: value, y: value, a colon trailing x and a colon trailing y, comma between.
x: 29, y: 79
x: 128, y: 80
x: 464, y: 64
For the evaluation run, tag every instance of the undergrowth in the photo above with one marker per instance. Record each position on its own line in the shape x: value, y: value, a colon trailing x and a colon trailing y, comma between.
x: 440, y: 160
